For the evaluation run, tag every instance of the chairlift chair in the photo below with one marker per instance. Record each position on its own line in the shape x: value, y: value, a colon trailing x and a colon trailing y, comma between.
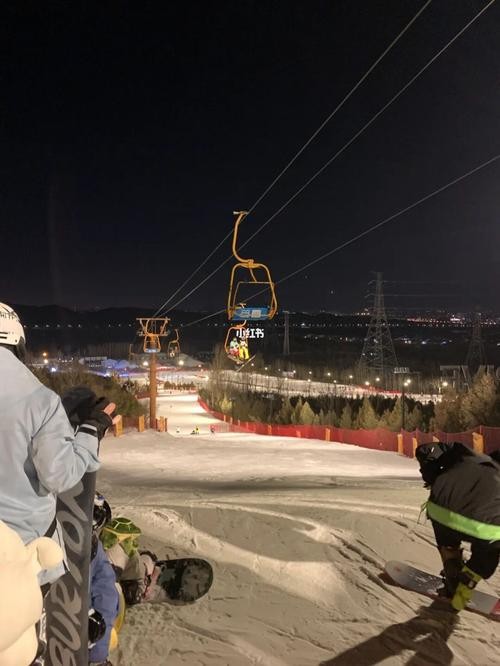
x: 174, y: 347
x: 259, y: 275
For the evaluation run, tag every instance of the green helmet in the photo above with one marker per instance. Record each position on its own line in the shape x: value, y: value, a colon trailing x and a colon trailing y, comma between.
x: 123, y: 531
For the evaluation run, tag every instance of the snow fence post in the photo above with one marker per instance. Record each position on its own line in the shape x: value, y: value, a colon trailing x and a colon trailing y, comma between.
x: 140, y: 423
x: 400, y: 443
x: 478, y: 442
x: 160, y: 424
x: 118, y: 426
x: 415, y: 444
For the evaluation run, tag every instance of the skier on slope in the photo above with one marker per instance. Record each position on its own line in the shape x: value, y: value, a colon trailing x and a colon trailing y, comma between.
x: 40, y: 455
x: 104, y: 599
x: 464, y: 505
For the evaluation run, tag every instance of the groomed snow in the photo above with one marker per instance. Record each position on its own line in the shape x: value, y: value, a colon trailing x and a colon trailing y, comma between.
x: 298, y: 532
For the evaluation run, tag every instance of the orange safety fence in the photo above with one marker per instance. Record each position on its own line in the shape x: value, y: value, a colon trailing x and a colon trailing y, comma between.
x: 482, y: 439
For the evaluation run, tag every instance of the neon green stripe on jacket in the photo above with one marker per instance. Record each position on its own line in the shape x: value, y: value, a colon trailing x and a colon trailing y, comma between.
x: 469, y: 526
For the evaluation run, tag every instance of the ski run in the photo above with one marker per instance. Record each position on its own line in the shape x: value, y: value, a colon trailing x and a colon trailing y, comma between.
x: 298, y: 532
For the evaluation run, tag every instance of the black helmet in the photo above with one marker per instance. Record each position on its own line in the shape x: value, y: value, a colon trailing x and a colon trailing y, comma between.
x: 102, y: 512
x: 437, y: 457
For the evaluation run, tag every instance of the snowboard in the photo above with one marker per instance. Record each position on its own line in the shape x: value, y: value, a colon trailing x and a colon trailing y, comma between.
x: 179, y: 582
x: 67, y: 603
x: 426, y: 583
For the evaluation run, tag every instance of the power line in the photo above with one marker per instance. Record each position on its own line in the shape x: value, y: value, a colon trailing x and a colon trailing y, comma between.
x: 368, y: 124
x: 301, y: 150
x: 380, y: 224
x: 337, y: 108
x: 341, y: 150
x: 391, y: 217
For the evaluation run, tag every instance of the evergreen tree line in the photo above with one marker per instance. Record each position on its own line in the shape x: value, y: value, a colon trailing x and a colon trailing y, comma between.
x: 60, y: 382
x: 455, y: 413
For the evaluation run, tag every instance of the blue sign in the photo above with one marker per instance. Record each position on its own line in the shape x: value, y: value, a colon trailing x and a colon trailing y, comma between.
x: 250, y: 314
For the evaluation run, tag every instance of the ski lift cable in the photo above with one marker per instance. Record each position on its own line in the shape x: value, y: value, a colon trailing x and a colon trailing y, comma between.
x: 368, y: 124
x: 337, y: 108
x: 392, y: 217
x: 339, y: 152
x: 189, y: 278
x: 301, y: 150
x: 369, y: 230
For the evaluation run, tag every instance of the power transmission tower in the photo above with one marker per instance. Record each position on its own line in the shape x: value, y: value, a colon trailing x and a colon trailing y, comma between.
x: 476, y: 356
x: 378, y: 358
x: 286, y: 338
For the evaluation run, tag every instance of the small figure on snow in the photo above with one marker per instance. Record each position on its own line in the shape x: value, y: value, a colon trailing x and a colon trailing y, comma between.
x: 212, y: 429
x: 464, y: 505
x: 177, y: 431
x: 195, y: 431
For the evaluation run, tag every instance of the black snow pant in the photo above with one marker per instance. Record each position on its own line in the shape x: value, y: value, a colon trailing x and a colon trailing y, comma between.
x: 485, y: 555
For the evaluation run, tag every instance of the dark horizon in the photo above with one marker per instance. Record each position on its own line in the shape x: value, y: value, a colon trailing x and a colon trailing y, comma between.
x: 131, y: 133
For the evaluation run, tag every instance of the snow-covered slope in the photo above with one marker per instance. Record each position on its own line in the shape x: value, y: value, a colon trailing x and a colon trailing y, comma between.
x: 298, y: 531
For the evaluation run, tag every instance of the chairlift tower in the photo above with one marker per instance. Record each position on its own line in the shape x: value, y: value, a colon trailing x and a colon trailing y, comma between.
x: 378, y: 357
x: 152, y: 330
x: 476, y: 355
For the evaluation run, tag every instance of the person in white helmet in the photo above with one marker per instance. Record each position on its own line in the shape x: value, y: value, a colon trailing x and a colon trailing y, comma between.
x: 40, y: 454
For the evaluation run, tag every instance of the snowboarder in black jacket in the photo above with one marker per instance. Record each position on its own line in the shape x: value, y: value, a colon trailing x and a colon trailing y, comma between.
x: 464, y: 505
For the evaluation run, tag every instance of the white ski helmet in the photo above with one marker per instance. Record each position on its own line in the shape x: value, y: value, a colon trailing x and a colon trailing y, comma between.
x: 11, y: 329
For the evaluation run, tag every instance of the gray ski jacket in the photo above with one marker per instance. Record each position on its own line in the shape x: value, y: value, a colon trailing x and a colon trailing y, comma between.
x: 40, y: 456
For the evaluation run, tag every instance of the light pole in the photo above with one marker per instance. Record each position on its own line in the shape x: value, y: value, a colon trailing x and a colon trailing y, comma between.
x: 405, y: 383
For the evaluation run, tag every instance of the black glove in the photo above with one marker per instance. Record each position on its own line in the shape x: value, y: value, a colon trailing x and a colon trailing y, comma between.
x: 98, y: 419
x: 78, y: 403
x: 84, y: 409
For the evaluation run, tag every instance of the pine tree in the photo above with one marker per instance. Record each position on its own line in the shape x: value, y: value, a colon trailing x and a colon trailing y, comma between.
x: 346, y: 417
x: 413, y: 419
x: 367, y: 418
x: 307, y: 416
x: 395, y: 418
x: 225, y: 405
x: 385, y: 419
x: 447, y: 413
x: 285, y: 412
x: 295, y: 417
x: 477, y: 405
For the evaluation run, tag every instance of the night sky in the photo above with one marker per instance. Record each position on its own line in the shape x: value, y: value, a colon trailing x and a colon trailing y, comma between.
x: 131, y: 131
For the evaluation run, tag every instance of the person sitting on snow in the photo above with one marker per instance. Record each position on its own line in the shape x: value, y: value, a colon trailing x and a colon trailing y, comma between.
x: 104, y: 599
x: 133, y: 569
x: 464, y: 505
